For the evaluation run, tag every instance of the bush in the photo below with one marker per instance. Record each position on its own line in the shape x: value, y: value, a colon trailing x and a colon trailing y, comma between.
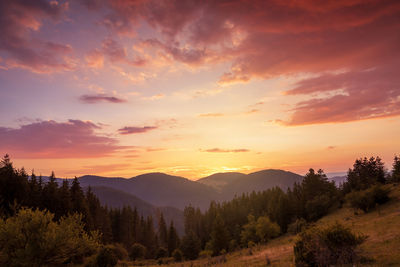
x: 162, y: 253
x: 265, y: 229
x: 334, y: 245
x: 106, y: 257
x: 119, y: 250
x: 138, y: 251
x: 177, y: 255
x: 367, y: 199
x: 33, y: 238
x: 297, y: 226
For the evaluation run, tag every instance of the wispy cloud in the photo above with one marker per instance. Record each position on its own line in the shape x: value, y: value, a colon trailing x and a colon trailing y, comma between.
x: 92, y: 99
x: 136, y: 130
x: 219, y: 150
x: 211, y: 115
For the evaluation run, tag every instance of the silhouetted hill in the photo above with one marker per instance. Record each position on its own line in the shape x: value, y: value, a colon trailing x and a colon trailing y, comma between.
x: 220, y: 180
x: 163, y: 190
x: 117, y: 199
x: 259, y: 181
x: 159, y: 189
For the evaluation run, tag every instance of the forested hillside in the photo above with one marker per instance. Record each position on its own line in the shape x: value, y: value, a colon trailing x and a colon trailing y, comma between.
x: 105, y: 234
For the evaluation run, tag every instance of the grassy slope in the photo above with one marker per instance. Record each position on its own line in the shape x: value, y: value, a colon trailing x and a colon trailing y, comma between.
x: 381, y: 225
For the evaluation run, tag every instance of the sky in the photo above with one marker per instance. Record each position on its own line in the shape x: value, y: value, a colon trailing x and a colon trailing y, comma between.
x: 191, y: 88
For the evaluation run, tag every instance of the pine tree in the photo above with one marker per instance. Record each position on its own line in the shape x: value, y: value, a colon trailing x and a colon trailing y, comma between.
x: 162, y: 232
x: 219, y: 236
x: 173, y: 239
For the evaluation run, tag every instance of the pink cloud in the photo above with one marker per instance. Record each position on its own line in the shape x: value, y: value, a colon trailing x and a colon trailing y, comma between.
x: 219, y: 150
x: 18, y: 20
x: 361, y: 95
x: 135, y: 130
x: 117, y: 53
x: 92, y: 99
x: 51, y: 139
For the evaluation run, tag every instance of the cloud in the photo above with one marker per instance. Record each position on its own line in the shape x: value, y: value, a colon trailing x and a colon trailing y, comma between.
x: 355, y: 95
x: 252, y: 111
x: 219, y: 150
x: 92, y: 99
x: 95, y: 59
x: 18, y: 19
x: 51, y: 139
x: 117, y: 53
x: 211, y: 115
x: 154, y: 97
x: 269, y: 39
x: 135, y: 130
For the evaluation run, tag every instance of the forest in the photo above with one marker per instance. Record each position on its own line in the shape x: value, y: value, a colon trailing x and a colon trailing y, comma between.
x: 37, y: 217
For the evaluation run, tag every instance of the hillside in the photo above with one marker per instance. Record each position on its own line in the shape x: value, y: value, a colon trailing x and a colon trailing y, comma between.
x: 114, y: 198
x: 382, y: 246
x: 220, y: 180
x: 260, y: 181
x: 158, y: 189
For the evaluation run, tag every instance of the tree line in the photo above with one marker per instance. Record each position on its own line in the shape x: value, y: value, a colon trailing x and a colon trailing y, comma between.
x: 259, y: 216
x: 244, y: 221
x: 123, y: 226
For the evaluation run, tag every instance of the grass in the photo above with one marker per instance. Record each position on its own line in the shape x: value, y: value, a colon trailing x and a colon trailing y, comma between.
x: 382, y: 226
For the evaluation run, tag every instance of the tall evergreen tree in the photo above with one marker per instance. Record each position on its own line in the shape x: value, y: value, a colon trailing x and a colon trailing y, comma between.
x: 173, y: 239
x: 162, y: 232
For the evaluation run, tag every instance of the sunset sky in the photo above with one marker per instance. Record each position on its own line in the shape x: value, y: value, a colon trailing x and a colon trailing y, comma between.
x: 190, y: 88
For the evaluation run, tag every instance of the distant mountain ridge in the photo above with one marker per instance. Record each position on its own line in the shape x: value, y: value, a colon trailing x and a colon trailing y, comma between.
x: 231, y: 184
x: 161, y: 190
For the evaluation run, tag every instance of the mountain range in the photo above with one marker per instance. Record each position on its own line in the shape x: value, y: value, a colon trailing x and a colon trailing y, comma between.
x: 153, y: 193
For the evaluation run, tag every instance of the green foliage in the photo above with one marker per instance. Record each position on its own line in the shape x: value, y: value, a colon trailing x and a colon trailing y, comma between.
x: 366, y: 200
x: 318, y: 195
x: 173, y: 239
x: 249, y: 232
x: 32, y: 238
x: 106, y: 258
x: 219, y: 236
x: 265, y: 229
x: 119, y: 250
x: 259, y: 231
x: 190, y: 246
x: 177, y: 255
x: 365, y: 173
x: 333, y: 245
x: 138, y: 251
x: 396, y: 170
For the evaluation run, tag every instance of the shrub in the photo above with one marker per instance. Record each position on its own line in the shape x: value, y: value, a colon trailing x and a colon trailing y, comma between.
x: 177, y: 255
x: 33, y: 238
x: 297, y: 226
x: 119, y: 250
x: 162, y: 253
x: 334, y: 245
x: 106, y: 257
x: 367, y: 199
x: 138, y: 251
x: 265, y: 229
